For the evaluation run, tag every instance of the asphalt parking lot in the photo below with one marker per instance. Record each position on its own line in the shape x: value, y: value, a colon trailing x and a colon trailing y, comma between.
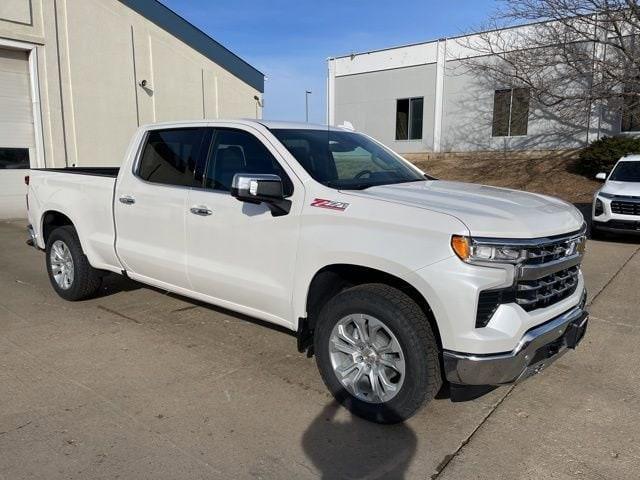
x: 142, y: 384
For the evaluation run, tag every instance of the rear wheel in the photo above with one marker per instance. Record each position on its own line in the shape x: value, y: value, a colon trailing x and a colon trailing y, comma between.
x: 376, y: 353
x: 70, y: 273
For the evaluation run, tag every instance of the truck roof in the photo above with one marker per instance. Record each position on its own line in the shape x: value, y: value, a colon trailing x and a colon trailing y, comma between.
x: 631, y: 158
x: 271, y: 124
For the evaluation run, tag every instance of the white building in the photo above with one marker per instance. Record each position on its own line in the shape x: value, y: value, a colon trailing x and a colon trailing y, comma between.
x: 421, y: 98
x: 77, y: 77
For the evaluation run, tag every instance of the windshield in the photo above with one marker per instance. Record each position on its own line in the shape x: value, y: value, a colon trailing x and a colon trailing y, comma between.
x: 626, y: 172
x: 345, y: 160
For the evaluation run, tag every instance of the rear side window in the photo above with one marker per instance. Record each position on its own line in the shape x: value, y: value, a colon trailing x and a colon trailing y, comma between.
x: 170, y: 156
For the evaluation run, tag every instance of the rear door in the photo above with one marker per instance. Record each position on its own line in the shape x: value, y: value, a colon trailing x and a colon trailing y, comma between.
x: 239, y: 253
x: 150, y: 205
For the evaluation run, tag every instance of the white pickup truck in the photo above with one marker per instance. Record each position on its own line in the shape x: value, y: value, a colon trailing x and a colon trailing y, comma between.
x: 394, y: 280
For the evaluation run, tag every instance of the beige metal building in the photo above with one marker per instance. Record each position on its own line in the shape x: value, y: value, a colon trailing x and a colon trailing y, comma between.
x: 422, y: 98
x: 77, y: 77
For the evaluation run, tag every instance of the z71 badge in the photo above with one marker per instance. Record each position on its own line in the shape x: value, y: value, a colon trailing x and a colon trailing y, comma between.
x: 330, y: 204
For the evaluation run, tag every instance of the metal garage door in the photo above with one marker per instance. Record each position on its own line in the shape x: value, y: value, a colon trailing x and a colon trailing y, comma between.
x: 17, y: 145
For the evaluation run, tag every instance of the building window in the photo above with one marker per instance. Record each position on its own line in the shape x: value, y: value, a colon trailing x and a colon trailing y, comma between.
x: 631, y: 108
x: 409, y: 118
x: 510, y: 112
x: 14, y: 158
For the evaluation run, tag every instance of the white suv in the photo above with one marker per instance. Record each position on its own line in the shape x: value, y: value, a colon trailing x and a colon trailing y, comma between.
x: 616, y: 206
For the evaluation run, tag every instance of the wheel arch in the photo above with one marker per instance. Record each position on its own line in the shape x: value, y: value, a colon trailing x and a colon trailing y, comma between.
x: 52, y: 219
x: 332, y: 279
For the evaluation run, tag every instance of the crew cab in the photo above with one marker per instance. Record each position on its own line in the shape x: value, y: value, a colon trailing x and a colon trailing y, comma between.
x: 396, y: 281
x: 616, y: 206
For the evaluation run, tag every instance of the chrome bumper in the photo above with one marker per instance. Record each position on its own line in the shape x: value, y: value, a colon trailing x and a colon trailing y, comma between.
x: 538, y: 348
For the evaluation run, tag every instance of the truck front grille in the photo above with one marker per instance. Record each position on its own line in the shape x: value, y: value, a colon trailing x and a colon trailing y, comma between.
x: 549, y: 274
x: 625, y: 208
x: 545, y: 291
x: 548, y: 253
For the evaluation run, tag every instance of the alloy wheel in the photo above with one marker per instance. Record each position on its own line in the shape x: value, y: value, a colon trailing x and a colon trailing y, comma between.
x: 367, y: 358
x: 62, y: 267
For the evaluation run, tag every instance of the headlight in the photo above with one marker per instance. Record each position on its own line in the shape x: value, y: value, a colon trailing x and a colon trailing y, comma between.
x: 472, y: 251
x: 485, y: 251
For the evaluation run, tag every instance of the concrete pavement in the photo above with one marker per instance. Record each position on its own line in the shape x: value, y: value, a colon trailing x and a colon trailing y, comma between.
x: 142, y: 384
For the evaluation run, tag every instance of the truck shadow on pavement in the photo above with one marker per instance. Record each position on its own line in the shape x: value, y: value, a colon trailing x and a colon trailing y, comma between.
x: 349, y: 447
x: 113, y: 283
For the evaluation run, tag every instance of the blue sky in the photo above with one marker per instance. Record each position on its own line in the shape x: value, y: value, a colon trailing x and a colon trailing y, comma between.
x: 290, y: 40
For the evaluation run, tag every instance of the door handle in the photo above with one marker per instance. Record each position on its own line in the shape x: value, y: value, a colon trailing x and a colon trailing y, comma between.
x: 127, y: 199
x: 201, y: 210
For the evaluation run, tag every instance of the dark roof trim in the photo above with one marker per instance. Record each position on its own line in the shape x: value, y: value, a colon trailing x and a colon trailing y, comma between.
x: 441, y: 39
x: 184, y: 31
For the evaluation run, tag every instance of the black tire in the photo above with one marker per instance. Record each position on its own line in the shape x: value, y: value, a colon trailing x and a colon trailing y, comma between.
x: 86, y: 279
x: 406, y: 320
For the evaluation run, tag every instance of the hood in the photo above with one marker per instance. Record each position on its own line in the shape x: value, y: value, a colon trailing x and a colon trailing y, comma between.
x: 630, y: 189
x: 486, y: 211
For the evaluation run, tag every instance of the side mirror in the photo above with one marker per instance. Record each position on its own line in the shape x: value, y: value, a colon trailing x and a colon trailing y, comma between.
x: 259, y: 188
x: 601, y: 176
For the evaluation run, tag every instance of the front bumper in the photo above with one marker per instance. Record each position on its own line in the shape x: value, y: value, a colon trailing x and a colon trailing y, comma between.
x: 537, y: 349
x: 617, y: 226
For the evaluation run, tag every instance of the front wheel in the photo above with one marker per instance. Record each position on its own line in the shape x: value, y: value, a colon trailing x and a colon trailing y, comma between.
x: 71, y: 275
x: 377, y: 353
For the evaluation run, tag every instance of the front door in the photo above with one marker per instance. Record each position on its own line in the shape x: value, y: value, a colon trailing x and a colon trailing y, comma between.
x: 150, y: 205
x: 239, y: 253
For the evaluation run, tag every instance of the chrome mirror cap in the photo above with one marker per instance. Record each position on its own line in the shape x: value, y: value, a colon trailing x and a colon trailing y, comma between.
x: 261, y: 188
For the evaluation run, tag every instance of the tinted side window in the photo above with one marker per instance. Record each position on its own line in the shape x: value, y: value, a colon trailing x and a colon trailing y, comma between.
x: 237, y: 151
x: 170, y: 156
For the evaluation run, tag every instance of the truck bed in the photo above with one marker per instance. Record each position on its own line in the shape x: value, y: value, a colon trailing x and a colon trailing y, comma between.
x: 85, y: 196
x: 99, y: 171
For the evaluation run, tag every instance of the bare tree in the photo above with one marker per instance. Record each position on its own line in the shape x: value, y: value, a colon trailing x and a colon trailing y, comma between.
x: 575, y: 57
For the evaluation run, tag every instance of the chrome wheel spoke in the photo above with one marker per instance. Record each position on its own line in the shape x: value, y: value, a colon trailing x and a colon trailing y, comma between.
x: 376, y: 388
x: 340, y: 345
x: 392, y: 347
x: 390, y: 364
x: 362, y: 328
x: 57, y: 250
x: 387, y: 385
x: 346, y: 370
x: 343, y: 335
x: 355, y: 383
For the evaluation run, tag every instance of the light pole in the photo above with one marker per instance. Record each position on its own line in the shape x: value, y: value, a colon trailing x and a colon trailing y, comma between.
x: 306, y: 104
